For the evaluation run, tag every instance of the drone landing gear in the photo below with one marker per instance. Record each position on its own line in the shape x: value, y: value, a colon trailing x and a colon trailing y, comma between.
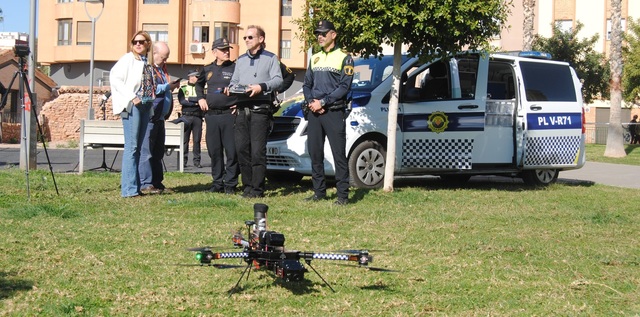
x: 247, y: 271
x: 298, y: 275
x: 320, y: 276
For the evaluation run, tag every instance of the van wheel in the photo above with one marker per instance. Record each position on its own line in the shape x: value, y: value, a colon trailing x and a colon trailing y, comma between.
x: 284, y: 176
x: 367, y: 164
x: 540, y: 178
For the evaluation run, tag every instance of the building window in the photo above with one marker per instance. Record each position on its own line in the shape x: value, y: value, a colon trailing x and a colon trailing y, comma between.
x: 64, y: 32
x: 286, y: 8
x: 564, y: 25
x: 228, y: 30
x: 158, y: 32
x: 623, y: 27
x: 201, y: 32
x: 155, y: 2
x: 84, y: 33
x: 285, y: 44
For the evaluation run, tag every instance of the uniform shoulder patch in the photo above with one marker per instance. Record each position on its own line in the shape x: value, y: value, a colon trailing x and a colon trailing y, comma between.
x: 348, y: 70
x: 209, y: 75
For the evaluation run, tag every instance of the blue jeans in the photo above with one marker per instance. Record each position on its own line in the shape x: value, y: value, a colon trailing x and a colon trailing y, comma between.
x: 134, y: 124
x: 151, y: 154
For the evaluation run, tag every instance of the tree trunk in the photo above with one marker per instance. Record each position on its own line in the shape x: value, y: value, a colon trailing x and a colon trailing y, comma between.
x: 527, y: 27
x: 392, y: 122
x: 615, y: 144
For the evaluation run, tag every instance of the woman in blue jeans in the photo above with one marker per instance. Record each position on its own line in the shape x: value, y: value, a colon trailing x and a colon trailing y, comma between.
x: 132, y: 91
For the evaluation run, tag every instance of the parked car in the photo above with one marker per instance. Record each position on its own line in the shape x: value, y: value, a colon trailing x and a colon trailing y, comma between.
x: 470, y: 114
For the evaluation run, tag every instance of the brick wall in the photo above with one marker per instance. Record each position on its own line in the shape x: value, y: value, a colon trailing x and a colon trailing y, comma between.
x: 61, y: 116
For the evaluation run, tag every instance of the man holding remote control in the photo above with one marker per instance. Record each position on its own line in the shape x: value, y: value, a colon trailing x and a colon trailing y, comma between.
x: 259, y: 71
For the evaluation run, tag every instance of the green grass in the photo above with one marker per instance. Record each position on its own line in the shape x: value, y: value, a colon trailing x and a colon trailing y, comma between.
x: 595, y: 153
x: 491, y: 248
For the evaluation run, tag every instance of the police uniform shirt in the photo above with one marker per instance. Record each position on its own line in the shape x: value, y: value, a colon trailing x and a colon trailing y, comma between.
x: 329, y: 76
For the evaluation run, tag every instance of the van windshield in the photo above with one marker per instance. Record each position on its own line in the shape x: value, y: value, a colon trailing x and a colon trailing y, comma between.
x: 371, y: 72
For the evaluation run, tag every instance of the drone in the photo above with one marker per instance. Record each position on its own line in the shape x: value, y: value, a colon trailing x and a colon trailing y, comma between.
x: 264, y: 250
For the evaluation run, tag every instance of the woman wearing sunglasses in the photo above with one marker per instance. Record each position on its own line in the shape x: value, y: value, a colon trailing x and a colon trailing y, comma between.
x: 132, y: 90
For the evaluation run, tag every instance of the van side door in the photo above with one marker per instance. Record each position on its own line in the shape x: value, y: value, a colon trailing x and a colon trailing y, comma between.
x: 552, y: 106
x: 442, y: 115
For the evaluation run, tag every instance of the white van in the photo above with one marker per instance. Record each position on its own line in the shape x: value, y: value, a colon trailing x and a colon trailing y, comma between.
x: 472, y: 114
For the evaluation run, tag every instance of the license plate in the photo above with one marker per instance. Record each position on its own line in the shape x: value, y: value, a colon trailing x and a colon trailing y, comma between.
x: 273, y: 150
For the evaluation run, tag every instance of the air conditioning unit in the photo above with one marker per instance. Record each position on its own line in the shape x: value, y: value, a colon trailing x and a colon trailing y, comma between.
x: 196, y: 48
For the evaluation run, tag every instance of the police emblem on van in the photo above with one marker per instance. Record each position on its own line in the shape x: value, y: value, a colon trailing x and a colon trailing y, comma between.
x: 438, y: 122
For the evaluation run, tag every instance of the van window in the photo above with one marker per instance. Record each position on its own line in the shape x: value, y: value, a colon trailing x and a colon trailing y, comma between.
x: 371, y: 72
x: 500, y: 84
x: 425, y: 84
x: 547, y: 82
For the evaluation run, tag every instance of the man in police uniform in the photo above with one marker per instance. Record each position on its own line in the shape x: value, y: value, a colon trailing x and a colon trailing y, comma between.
x: 327, y: 83
x: 192, y: 117
x: 219, y: 117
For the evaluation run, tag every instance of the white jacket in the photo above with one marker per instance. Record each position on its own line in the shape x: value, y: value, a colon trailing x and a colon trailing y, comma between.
x: 125, y: 79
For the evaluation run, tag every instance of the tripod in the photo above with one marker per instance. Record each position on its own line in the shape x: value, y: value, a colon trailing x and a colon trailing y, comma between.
x: 104, y: 118
x: 26, y: 105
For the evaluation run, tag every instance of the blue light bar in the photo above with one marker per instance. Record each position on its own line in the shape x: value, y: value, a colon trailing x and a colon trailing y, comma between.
x: 535, y: 54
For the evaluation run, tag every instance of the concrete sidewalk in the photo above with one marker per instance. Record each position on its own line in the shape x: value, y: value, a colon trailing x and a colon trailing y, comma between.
x: 66, y: 161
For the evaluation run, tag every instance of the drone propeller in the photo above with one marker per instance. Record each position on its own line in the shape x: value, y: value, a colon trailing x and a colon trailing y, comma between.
x: 216, y: 265
x: 366, y: 267
x: 199, y: 249
x: 356, y: 251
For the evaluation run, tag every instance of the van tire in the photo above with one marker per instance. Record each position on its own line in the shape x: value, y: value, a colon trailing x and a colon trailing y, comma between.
x: 366, y: 165
x: 540, y: 178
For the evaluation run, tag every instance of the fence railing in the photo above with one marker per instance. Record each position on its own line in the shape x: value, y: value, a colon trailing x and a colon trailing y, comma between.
x: 597, y: 132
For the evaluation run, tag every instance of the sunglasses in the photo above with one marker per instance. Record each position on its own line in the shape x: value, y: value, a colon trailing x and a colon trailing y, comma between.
x: 323, y: 34
x: 141, y: 42
x: 248, y: 37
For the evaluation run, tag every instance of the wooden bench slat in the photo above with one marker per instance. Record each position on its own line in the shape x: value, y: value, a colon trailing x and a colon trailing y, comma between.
x: 109, y: 135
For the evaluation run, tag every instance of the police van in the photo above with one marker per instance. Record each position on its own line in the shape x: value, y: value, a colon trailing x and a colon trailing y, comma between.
x: 518, y: 115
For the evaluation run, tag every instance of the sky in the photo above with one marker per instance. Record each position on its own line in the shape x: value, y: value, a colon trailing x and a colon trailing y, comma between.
x: 16, y: 15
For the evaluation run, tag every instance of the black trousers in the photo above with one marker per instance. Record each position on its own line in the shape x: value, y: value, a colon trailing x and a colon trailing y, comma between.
x: 220, y: 143
x: 331, y: 125
x: 251, y: 131
x: 192, y: 125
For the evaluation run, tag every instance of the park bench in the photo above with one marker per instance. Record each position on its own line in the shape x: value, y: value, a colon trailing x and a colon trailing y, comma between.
x: 109, y: 135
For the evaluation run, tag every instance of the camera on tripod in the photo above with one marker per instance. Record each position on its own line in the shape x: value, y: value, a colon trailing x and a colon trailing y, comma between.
x: 21, y: 49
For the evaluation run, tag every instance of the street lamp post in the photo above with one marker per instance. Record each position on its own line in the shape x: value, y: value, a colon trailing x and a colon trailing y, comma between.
x: 90, y: 114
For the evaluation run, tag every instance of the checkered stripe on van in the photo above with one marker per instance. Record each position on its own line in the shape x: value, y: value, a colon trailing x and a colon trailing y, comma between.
x: 437, y: 154
x: 556, y: 150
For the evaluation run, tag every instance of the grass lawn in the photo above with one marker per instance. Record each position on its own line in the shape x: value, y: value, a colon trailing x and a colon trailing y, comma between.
x: 486, y: 248
x: 595, y: 153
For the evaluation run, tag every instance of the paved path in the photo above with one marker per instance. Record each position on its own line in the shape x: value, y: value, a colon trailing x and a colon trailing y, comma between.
x: 66, y: 161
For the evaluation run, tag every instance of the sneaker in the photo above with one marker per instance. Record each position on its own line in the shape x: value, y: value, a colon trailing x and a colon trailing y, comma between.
x: 315, y: 198
x: 341, y: 202
x: 230, y: 190
x: 150, y: 190
x: 197, y: 165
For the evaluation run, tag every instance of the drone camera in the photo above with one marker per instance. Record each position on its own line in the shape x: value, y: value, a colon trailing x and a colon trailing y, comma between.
x: 271, y: 238
x: 291, y: 270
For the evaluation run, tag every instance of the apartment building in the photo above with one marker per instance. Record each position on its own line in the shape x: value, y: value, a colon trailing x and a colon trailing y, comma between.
x: 595, y: 15
x: 190, y: 27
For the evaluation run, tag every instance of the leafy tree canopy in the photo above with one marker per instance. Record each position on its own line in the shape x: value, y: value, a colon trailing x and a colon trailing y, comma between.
x: 631, y: 57
x: 439, y: 26
x: 591, y: 66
